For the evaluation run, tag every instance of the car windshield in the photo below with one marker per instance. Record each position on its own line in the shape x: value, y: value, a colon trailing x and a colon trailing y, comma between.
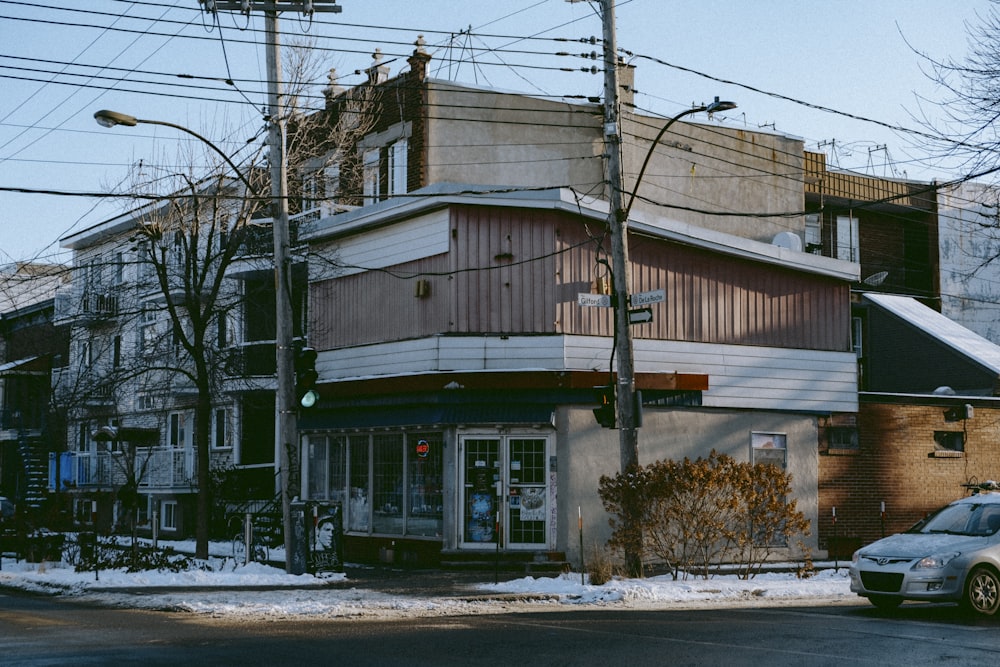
x: 962, y: 519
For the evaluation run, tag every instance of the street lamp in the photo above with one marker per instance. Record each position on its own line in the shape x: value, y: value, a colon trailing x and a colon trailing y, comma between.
x: 106, y: 118
x: 285, y: 409
x: 717, y: 105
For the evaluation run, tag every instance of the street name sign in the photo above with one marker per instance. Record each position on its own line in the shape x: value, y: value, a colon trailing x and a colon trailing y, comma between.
x: 599, y: 300
x: 646, y: 298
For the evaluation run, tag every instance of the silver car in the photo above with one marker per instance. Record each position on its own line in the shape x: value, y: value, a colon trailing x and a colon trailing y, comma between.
x: 951, y: 556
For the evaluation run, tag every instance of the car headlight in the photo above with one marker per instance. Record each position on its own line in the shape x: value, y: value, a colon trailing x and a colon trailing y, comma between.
x: 936, y: 561
x: 855, y: 556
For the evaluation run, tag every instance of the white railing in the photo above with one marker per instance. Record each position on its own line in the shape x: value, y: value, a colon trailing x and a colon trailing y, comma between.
x: 155, y: 468
x: 91, y: 469
x: 165, y: 467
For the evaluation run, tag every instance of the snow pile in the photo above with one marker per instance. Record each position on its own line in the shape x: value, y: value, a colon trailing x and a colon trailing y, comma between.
x: 663, y: 589
x: 223, y: 589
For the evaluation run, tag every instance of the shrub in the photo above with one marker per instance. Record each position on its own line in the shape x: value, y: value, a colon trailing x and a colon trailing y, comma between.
x: 690, y: 515
x: 601, y: 567
x: 88, y: 552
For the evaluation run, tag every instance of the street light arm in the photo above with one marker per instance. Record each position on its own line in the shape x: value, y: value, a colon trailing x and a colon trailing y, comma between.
x: 649, y: 156
x: 714, y: 106
x: 107, y: 118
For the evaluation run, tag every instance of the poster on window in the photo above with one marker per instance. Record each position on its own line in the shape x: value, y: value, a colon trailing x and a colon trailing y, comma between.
x: 532, y: 505
x: 326, y: 552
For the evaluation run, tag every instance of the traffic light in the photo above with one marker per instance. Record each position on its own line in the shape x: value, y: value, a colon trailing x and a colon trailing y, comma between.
x: 605, y: 413
x: 305, y: 377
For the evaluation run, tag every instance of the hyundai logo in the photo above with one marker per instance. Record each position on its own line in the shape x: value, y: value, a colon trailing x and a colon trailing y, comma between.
x: 883, y: 561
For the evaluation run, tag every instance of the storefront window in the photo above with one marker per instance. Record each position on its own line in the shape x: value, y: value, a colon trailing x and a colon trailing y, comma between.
x: 327, y: 468
x: 387, y: 483
x: 424, y: 469
x: 358, y: 509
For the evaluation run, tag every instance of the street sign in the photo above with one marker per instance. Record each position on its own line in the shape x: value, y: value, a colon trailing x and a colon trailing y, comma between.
x: 640, y: 316
x: 599, y: 300
x: 646, y: 298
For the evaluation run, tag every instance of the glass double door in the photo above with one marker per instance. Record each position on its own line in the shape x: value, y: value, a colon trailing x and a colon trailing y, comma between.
x: 505, y: 492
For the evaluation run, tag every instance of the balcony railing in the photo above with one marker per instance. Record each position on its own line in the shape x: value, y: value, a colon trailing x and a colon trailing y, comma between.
x: 76, y: 303
x: 258, y: 238
x: 251, y: 359
x: 89, y: 469
x: 166, y: 468
x: 156, y: 468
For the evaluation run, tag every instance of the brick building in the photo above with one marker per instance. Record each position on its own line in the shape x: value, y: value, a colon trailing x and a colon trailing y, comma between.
x: 927, y: 425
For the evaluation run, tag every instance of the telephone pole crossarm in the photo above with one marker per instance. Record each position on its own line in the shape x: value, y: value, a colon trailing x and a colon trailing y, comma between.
x: 306, y: 7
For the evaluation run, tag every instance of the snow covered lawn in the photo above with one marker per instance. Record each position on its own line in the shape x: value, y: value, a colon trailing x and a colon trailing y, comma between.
x: 224, y: 589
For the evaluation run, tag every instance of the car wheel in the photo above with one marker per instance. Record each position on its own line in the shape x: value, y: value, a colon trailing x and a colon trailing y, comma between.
x: 885, y: 602
x: 982, y: 591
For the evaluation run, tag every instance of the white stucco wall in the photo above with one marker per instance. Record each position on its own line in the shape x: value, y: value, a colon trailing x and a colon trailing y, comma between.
x: 586, y: 452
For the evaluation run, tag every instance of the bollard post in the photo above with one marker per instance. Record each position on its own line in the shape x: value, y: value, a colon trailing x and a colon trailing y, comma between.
x: 248, y: 538
x: 836, y: 562
x: 882, y: 518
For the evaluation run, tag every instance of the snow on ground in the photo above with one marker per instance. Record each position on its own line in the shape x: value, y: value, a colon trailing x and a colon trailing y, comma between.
x: 226, y: 590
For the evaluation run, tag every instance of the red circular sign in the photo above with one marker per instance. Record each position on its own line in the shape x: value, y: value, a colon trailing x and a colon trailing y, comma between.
x: 423, y: 448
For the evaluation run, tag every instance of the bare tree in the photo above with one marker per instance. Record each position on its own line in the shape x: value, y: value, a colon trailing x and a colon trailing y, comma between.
x: 970, y: 101
x: 198, y: 225
x: 189, y: 242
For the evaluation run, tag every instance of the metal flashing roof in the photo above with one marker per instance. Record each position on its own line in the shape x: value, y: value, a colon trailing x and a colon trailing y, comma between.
x: 939, y: 327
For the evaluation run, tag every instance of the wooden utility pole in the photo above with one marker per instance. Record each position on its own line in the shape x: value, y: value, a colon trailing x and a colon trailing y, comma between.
x: 286, y: 412
x: 628, y: 436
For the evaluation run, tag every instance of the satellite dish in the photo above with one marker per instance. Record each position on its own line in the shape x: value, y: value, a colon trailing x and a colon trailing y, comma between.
x: 788, y: 240
x: 876, y: 279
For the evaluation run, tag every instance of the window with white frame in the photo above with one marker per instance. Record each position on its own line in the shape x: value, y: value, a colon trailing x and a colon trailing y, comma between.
x: 177, y: 252
x: 84, y: 511
x: 84, y: 353
x: 331, y: 182
x: 168, y: 515
x: 857, y: 336
x: 84, y: 443
x: 319, y: 185
x: 769, y: 448
x: 848, y: 244
x: 220, y: 429
x: 397, y: 167
x: 149, y: 333
x: 144, y: 267
x: 144, y: 511
x: 310, y: 190
x: 118, y: 275
x: 371, y: 184
x: 93, y: 279
x: 116, y: 351
x: 179, y: 435
x: 144, y: 401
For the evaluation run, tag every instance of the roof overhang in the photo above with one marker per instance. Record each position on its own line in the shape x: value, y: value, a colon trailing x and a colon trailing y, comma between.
x: 444, y: 195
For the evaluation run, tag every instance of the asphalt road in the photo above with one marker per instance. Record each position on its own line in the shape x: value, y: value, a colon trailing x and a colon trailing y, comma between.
x: 61, y: 631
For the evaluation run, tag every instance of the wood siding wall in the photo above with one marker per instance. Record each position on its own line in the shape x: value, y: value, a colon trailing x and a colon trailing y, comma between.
x: 516, y: 271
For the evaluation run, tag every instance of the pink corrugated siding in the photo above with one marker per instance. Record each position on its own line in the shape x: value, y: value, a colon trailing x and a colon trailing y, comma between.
x: 517, y: 271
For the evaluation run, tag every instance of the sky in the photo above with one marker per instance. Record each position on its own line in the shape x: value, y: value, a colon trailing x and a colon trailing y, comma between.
x: 239, y: 592
x: 796, y: 68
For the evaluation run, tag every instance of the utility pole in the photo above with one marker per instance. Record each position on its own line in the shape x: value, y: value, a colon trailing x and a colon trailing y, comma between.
x: 286, y: 413
x: 628, y: 436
